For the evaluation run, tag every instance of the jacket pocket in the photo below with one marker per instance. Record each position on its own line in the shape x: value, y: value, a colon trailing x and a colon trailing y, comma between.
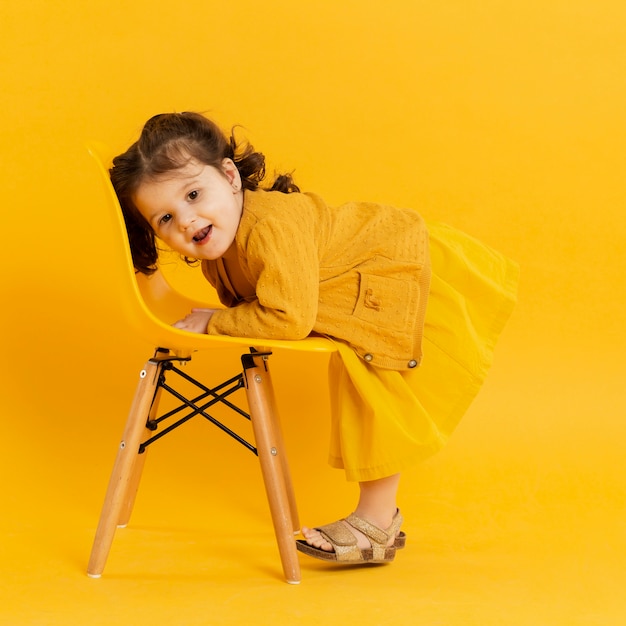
x: 386, y: 302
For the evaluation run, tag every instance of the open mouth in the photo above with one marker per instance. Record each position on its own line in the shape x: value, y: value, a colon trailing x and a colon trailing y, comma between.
x: 202, y: 236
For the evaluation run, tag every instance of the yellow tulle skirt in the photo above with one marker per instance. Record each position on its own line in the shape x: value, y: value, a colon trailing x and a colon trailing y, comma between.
x: 384, y: 421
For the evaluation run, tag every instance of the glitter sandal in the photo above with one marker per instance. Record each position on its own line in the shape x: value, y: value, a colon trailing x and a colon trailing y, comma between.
x: 344, y: 542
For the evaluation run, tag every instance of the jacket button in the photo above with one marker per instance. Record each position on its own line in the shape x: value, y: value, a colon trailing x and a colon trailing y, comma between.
x: 368, y: 357
x: 412, y: 363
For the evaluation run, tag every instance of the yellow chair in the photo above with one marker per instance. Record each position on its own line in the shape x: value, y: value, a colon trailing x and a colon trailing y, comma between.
x: 151, y: 304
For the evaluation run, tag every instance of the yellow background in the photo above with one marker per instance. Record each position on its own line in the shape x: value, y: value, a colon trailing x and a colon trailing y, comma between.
x: 505, y: 119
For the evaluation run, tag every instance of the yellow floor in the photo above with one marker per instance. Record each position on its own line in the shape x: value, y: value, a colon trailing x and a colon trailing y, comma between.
x: 519, y: 521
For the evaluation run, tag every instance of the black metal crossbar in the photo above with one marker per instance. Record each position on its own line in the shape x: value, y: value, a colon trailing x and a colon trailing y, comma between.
x: 197, y: 405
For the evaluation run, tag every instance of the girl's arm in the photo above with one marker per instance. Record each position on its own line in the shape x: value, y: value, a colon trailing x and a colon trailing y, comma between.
x: 282, y: 258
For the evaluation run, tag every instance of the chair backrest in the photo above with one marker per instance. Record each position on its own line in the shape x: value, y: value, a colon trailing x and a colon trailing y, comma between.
x: 151, y: 303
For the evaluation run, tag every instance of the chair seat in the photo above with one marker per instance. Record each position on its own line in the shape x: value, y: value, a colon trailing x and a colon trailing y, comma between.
x: 164, y: 305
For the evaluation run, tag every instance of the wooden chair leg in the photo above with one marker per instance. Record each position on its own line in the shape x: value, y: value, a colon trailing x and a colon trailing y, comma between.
x: 284, y: 459
x: 123, y: 469
x: 130, y: 496
x: 274, y: 469
x: 140, y: 461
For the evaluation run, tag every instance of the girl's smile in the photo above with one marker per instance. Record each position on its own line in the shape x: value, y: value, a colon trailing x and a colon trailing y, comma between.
x: 203, y: 236
x: 196, y: 209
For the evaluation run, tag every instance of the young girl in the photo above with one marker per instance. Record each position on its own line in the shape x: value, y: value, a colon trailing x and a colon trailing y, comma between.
x: 413, y: 346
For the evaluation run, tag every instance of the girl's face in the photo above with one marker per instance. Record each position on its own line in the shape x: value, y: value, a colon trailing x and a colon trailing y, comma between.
x: 196, y: 209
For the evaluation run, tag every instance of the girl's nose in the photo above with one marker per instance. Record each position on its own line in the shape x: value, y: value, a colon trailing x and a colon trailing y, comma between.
x: 186, y: 220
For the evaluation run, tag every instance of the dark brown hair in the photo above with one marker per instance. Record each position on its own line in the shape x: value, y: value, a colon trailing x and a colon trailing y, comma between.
x: 167, y: 142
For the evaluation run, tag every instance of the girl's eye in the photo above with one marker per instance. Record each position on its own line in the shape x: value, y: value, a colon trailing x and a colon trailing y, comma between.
x: 193, y: 195
x: 165, y: 219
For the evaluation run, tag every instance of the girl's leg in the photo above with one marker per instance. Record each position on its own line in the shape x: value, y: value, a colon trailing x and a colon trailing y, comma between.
x: 377, y: 500
x: 377, y: 505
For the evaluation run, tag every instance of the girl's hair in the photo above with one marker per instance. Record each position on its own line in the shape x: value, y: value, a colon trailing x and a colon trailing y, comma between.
x: 167, y: 142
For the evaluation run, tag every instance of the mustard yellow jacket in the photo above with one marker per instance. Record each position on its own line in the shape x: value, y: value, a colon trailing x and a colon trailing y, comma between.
x: 359, y: 272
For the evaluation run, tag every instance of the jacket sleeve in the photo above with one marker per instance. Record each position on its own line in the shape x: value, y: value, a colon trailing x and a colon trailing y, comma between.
x: 282, y: 259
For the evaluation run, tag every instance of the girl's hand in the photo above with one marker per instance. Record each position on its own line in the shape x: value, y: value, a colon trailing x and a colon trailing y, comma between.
x: 196, y: 321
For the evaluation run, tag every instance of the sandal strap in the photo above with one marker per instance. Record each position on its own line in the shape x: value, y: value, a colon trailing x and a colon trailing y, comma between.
x: 378, y: 537
x: 375, y: 534
x: 342, y: 540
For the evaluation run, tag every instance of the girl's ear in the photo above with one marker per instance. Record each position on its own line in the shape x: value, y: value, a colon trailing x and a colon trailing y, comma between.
x: 232, y: 173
